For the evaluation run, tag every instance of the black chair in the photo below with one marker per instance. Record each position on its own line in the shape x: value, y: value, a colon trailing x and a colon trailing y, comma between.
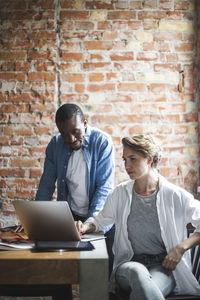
x: 58, y: 292
x: 195, y: 256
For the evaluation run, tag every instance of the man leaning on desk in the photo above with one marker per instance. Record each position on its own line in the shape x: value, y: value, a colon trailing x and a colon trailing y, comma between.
x: 81, y: 159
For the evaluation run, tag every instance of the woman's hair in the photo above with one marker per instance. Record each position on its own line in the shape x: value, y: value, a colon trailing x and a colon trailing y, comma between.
x: 144, y: 145
x: 68, y: 111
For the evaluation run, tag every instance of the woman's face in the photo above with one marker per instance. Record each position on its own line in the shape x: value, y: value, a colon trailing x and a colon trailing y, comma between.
x: 135, y: 164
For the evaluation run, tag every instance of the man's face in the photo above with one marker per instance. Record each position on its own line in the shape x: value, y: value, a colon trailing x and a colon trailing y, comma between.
x: 73, y: 132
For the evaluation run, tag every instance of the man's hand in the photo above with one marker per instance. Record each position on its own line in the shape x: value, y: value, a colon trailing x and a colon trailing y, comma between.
x: 83, y: 228
x: 173, y: 258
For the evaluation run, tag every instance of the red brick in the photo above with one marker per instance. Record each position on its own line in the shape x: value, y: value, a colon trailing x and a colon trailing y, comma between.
x: 9, y: 108
x: 159, y: 88
x: 147, y: 56
x: 173, y: 57
x: 35, y: 173
x: 33, y: 55
x: 174, y: 15
x: 96, y: 77
x: 190, y: 180
x: 3, y: 97
x: 181, y: 129
x: 152, y: 4
x: 104, y: 66
x: 72, y: 56
x: 84, y: 26
x: 104, y: 25
x: 17, y: 45
x: 134, y: 25
x: 12, y: 172
x: 124, y: 15
x: 42, y: 4
x: 98, y: 45
x: 4, y: 119
x: 112, y: 76
x: 21, y: 183
x: 20, y: 4
x: 41, y: 76
x: 150, y: 25
x: 74, y: 15
x: 96, y: 57
x: 122, y: 56
x: 181, y: 5
x: 167, y: 67
x: 119, y: 98
x: 79, y: 88
x: 42, y: 130
x: 134, y: 87
x: 15, y: 55
x: 23, y: 194
x: 167, y: 36
x: 98, y: 5
x: 79, y: 98
x: 45, y: 66
x: 25, y: 97
x: 67, y: 4
x: 101, y: 87
x: 190, y: 117
x: 184, y: 47
x: 149, y: 46
x: 42, y: 35
x: 168, y: 172
x: 136, y: 4
x: 23, y: 162
x: 37, y: 151
x: 72, y: 77
x: 4, y: 141
x: 157, y: 15
x: 165, y: 4
x: 18, y: 130
x: 164, y: 47
x: 13, y: 76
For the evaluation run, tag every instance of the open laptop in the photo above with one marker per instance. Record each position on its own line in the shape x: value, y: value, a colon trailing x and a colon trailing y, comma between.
x: 47, y: 220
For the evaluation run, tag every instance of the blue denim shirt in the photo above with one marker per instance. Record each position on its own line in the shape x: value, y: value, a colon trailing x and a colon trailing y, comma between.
x: 99, y: 155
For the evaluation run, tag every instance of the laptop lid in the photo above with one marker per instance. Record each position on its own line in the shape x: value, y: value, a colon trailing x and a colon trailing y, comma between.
x: 47, y: 220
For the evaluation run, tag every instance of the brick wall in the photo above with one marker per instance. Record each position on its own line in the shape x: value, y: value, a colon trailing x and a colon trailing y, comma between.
x: 131, y: 66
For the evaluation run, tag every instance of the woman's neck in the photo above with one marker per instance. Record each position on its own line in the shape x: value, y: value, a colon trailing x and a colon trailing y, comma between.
x: 148, y: 185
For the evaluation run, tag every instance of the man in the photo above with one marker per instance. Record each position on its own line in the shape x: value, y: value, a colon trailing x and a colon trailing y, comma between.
x: 81, y: 159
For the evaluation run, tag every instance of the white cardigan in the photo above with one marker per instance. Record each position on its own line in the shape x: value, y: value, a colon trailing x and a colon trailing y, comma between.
x: 176, y: 208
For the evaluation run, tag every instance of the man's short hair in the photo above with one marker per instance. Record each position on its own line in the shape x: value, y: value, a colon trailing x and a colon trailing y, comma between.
x: 68, y: 111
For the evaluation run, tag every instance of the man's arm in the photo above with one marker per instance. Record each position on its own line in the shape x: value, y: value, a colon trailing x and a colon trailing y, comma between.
x: 47, y: 182
x: 104, y: 181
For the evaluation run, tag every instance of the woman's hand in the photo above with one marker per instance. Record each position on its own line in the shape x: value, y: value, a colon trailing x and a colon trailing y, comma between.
x: 173, y: 258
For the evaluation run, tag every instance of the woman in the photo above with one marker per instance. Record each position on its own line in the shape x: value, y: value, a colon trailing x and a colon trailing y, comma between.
x: 150, y: 216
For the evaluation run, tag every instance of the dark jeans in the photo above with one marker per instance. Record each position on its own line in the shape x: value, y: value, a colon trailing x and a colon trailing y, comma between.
x: 149, y: 260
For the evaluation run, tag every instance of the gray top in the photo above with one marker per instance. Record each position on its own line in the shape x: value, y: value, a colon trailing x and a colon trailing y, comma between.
x: 143, y: 225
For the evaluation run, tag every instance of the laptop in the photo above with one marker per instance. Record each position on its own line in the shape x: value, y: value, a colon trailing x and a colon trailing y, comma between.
x: 47, y: 220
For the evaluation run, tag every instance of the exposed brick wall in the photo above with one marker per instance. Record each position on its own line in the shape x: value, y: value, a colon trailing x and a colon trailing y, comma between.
x: 129, y: 64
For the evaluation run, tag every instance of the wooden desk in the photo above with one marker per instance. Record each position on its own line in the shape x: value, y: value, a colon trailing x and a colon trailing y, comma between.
x: 87, y: 268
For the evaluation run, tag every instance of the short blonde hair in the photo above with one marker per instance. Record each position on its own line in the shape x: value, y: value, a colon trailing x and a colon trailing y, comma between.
x: 144, y: 145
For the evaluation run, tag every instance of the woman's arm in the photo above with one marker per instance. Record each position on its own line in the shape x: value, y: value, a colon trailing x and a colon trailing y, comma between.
x: 173, y: 257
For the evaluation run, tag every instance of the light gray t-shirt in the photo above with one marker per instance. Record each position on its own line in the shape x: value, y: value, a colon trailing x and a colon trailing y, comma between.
x: 77, y: 177
x: 143, y: 225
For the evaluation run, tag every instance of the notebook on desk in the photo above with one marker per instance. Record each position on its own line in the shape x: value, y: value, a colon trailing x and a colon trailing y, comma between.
x: 49, y: 221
